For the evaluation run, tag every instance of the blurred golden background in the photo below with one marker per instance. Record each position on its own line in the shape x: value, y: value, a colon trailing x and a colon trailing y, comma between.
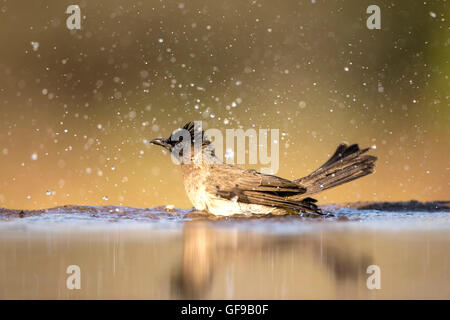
x: 79, y: 107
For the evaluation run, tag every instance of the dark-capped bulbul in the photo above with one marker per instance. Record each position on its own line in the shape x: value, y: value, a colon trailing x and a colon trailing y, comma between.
x: 223, y: 189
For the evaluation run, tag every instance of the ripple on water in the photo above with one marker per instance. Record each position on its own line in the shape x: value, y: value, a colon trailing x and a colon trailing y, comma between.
x: 113, y: 217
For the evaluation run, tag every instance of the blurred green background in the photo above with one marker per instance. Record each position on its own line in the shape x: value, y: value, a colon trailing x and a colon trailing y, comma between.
x: 79, y: 107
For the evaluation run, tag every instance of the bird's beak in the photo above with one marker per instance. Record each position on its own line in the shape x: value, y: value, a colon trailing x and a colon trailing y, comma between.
x: 160, y: 142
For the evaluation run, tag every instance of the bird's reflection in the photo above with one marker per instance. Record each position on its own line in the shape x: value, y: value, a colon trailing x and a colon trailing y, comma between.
x: 208, y: 249
x: 196, y: 271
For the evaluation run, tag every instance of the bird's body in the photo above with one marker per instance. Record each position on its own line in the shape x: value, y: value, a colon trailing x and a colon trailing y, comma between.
x: 200, y: 189
x: 223, y: 189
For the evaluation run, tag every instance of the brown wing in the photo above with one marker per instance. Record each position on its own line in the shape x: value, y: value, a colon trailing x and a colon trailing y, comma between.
x: 250, y: 186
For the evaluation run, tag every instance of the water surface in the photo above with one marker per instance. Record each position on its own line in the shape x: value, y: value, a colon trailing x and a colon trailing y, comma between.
x: 133, y: 253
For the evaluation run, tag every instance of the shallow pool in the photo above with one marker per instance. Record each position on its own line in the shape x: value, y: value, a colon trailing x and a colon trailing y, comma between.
x: 133, y: 253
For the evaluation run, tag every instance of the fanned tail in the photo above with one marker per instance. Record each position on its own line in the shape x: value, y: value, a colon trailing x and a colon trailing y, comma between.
x: 345, y: 165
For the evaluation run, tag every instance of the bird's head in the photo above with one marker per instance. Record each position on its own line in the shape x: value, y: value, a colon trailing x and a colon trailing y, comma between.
x: 187, y: 136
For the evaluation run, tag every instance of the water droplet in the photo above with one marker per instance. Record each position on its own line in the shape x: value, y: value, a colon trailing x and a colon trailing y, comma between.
x: 34, y: 45
x: 229, y: 154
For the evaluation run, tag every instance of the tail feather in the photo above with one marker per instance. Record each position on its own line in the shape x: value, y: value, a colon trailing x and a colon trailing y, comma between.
x: 346, y: 164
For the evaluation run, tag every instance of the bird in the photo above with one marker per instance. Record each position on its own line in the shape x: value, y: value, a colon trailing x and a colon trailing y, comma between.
x: 223, y: 189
